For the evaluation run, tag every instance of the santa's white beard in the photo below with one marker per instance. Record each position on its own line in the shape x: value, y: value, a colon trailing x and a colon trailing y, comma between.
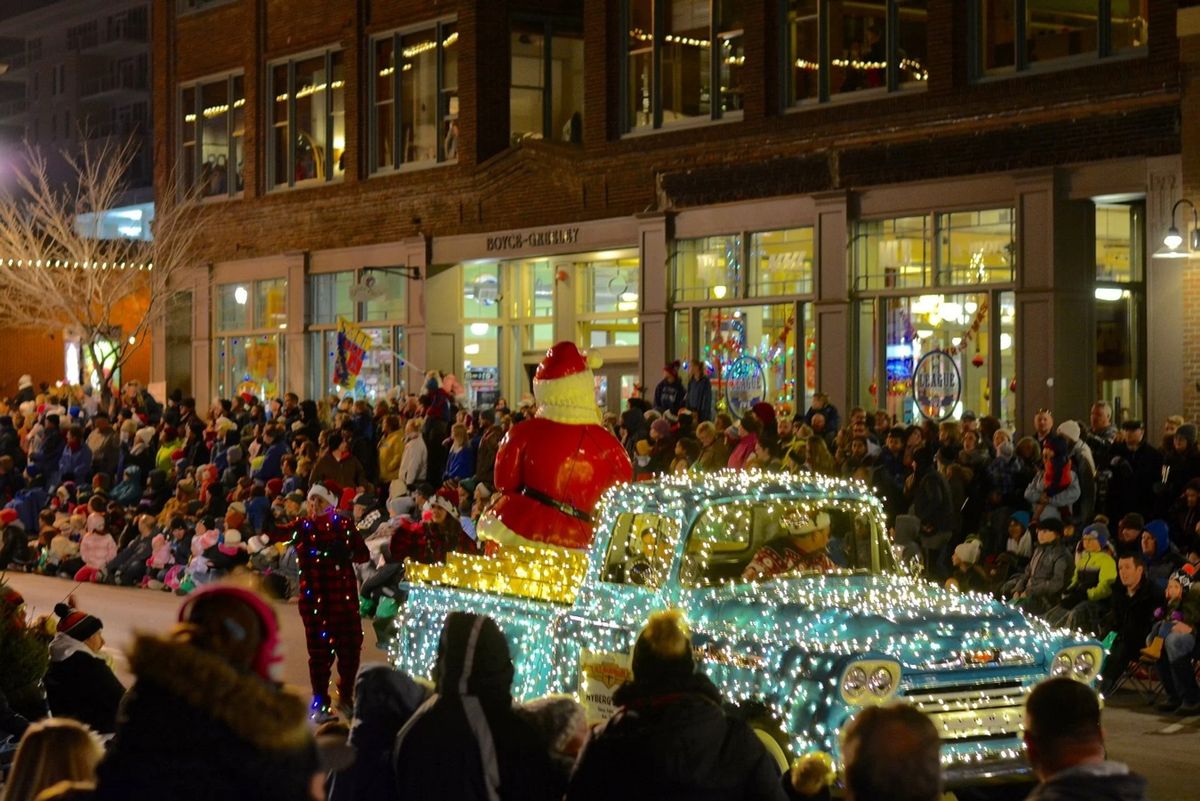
x: 571, y: 399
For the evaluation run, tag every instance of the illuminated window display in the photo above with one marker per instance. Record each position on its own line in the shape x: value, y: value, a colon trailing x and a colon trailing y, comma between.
x: 308, y: 118
x: 248, y: 348
x: 931, y: 352
x: 1119, y: 299
x: 751, y: 352
x: 1021, y: 34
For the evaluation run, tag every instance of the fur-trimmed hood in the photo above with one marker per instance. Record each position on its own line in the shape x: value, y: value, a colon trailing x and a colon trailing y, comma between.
x: 263, y: 715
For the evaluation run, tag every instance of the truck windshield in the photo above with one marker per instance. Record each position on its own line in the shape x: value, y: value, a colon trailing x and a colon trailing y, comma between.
x: 757, y: 541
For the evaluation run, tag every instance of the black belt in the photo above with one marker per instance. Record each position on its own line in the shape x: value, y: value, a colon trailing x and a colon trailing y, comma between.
x: 565, y: 508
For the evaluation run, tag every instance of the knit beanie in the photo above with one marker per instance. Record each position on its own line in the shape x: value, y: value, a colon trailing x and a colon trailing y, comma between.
x: 1188, y: 432
x: 1099, y: 531
x: 76, y: 624
x: 968, y: 552
x: 1070, y: 430
x: 663, y: 650
x: 661, y: 427
x: 1185, y: 576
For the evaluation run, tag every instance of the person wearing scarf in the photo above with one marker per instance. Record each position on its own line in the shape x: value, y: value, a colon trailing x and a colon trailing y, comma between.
x: 1055, y: 488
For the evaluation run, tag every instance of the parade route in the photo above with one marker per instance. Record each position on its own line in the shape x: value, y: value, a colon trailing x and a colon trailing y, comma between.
x: 1162, y: 748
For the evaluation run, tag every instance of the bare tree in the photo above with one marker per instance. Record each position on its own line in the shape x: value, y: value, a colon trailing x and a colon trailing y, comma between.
x: 55, y: 273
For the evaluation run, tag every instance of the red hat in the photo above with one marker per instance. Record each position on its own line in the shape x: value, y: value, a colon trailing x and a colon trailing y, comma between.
x: 275, y: 486
x: 347, y: 498
x: 673, y: 369
x: 563, y: 360
x: 8, y: 517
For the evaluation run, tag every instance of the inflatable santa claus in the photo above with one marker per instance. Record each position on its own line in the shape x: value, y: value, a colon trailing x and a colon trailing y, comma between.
x: 551, y: 470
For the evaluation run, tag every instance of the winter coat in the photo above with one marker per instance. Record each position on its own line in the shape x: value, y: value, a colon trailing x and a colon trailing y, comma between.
x: 672, y: 742
x: 461, y: 463
x: 81, y: 685
x: 106, y: 450
x: 346, y: 472
x: 1095, y: 573
x: 130, y: 561
x: 272, y: 465
x: 77, y: 464
x: 384, y: 700
x: 932, y: 502
x: 391, y: 451
x: 485, y: 455
x: 699, y: 398
x: 1059, y: 501
x: 192, y: 728
x: 48, y: 455
x: 1132, y: 615
x: 97, y: 549
x: 10, y: 445
x: 414, y: 462
x: 466, y: 743
x: 1047, y: 573
x: 669, y: 395
x: 1134, y: 476
x: 129, y: 491
x: 1107, y: 781
x: 713, y: 457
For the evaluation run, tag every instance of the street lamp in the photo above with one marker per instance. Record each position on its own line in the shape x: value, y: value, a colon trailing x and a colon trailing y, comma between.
x: 1174, y: 240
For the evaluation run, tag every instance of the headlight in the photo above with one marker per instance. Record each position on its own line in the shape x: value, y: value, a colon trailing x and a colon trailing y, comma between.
x: 1080, y: 662
x: 870, y: 682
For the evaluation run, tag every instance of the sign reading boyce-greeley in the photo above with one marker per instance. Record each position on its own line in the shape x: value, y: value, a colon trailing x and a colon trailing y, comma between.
x: 533, y: 239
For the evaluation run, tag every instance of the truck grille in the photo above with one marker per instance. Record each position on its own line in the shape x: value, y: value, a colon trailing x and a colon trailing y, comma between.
x: 973, y: 713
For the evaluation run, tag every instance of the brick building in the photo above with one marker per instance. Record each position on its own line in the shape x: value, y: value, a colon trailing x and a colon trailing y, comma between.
x: 860, y: 198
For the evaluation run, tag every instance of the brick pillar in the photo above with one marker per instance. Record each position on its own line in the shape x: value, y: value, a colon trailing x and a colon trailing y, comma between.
x: 1188, y: 30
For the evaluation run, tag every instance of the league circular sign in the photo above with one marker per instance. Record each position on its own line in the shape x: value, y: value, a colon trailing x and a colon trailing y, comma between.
x: 745, y: 385
x: 937, y: 385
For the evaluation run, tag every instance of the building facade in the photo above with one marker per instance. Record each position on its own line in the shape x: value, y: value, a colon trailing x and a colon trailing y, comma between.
x: 928, y: 207
x: 75, y: 74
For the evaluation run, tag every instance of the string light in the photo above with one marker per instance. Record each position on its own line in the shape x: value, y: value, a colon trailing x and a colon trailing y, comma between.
x: 787, y: 643
x: 96, y: 264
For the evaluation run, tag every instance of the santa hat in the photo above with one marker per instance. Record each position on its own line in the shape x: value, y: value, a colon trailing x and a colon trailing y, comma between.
x: 325, y: 493
x: 8, y: 517
x: 564, y: 360
x: 76, y: 624
x: 347, y: 497
x: 447, y: 499
x: 968, y: 552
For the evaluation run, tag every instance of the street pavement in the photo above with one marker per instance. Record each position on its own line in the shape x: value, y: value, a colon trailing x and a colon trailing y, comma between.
x: 1162, y: 748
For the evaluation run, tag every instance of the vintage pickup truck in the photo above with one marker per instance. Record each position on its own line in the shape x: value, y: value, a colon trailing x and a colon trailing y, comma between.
x: 797, y: 653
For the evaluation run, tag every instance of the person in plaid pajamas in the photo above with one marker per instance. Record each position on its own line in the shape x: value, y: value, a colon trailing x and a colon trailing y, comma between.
x: 327, y: 545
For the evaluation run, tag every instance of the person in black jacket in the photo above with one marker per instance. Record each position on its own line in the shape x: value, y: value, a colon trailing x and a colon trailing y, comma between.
x: 670, y: 738
x: 79, y: 683
x: 205, y: 719
x: 466, y: 743
x: 1131, y: 617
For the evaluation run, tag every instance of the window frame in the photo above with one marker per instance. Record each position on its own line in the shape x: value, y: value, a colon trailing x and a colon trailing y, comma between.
x: 1021, y: 63
x: 443, y: 105
x: 825, y: 95
x: 327, y: 53
x: 552, y: 25
x: 232, y: 192
x: 254, y: 329
x: 715, y: 38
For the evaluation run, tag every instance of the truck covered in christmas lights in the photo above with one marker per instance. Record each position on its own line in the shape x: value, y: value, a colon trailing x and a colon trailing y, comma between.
x: 798, y: 607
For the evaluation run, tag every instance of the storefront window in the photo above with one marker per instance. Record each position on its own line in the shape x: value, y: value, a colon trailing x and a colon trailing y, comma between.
x: 329, y: 297
x: 607, y: 305
x: 419, y: 71
x: 893, y: 254
x: 481, y: 291
x: 249, y: 363
x: 781, y: 262
x: 1119, y: 298
x: 670, y: 71
x: 270, y: 303
x: 308, y: 119
x: 233, y: 309
x: 546, y: 89
x: 212, y: 133
x: 381, y: 370
x: 393, y: 304
x: 861, y: 53
x: 709, y: 268
x: 975, y: 247
x: 1018, y: 34
x: 750, y: 353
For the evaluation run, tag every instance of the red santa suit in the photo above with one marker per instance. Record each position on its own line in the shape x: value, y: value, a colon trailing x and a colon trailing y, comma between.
x: 327, y: 546
x: 552, y: 470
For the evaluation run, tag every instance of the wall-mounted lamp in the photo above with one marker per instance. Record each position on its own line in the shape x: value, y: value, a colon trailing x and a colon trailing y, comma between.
x: 1173, y: 244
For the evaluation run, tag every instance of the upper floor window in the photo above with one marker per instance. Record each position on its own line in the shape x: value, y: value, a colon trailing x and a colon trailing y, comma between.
x: 1014, y: 35
x: 839, y: 48
x: 545, y: 97
x: 683, y: 61
x: 212, y: 136
x: 187, y: 6
x: 306, y: 114
x: 414, y: 97
x: 962, y: 248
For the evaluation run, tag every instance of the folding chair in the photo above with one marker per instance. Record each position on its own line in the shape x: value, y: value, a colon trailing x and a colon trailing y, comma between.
x: 1141, y: 676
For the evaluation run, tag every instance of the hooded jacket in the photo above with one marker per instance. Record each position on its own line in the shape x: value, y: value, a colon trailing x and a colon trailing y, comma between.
x: 1166, y: 559
x: 1107, y: 781
x: 192, y: 728
x: 466, y: 743
x: 129, y: 491
x: 384, y: 700
x: 672, y: 741
x: 81, y: 685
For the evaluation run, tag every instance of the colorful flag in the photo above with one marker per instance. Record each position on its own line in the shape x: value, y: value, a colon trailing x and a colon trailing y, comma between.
x: 352, y: 346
